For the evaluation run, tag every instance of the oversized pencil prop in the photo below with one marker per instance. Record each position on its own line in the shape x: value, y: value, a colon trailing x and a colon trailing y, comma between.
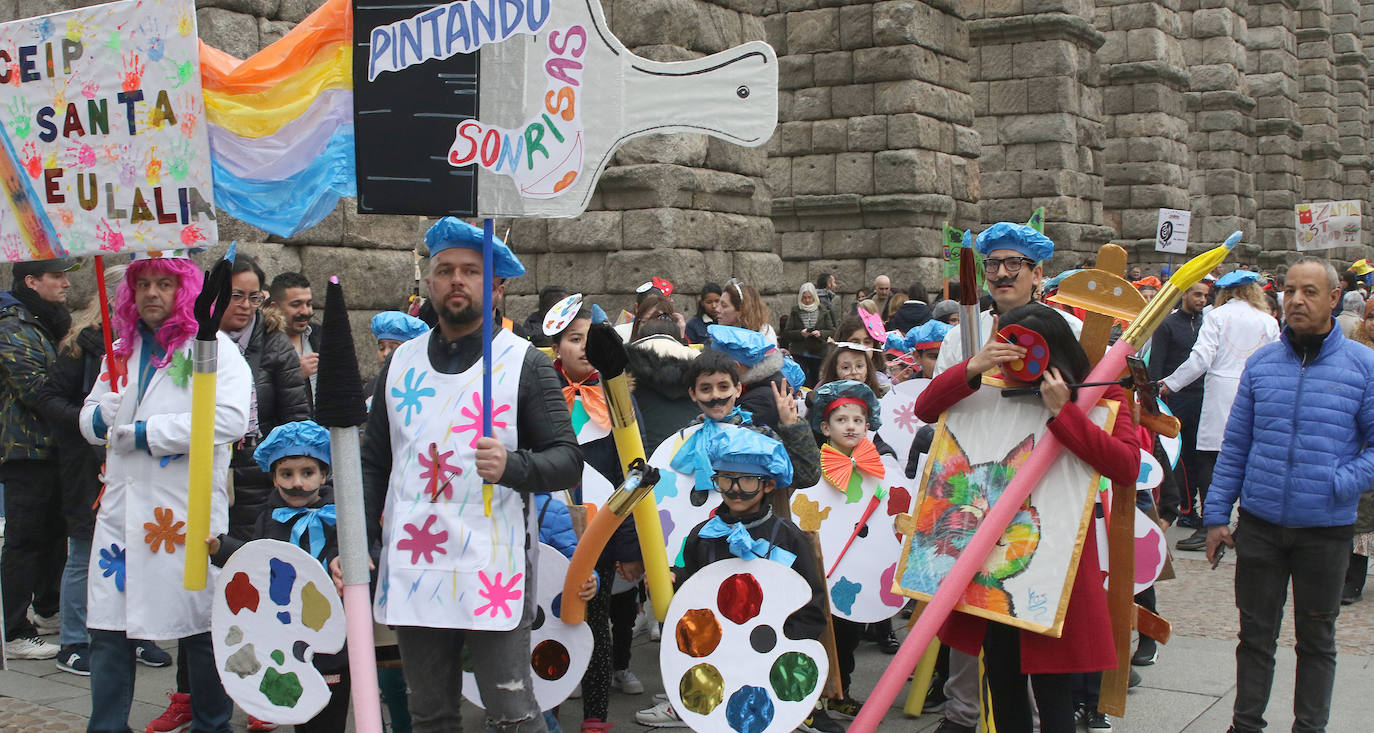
x: 210, y: 305
x: 606, y: 352
x: 873, y: 502
x: 112, y: 365
x: 640, y: 479
x: 970, y: 331
x: 998, y: 518
x: 488, y: 244
x: 339, y: 406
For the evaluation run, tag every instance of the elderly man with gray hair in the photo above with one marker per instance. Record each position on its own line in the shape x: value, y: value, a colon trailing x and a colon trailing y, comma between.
x: 1352, y: 312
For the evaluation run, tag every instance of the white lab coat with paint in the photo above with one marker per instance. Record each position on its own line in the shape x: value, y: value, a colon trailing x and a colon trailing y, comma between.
x: 1228, y: 336
x: 154, y: 604
x: 952, y: 348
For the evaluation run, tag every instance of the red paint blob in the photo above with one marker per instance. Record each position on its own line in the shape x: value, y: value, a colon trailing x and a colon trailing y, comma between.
x: 241, y: 594
x: 740, y: 597
x: 898, y: 501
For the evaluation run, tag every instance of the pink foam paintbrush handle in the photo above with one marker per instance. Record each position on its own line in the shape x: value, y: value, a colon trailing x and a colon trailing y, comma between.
x: 362, y: 659
x: 994, y: 523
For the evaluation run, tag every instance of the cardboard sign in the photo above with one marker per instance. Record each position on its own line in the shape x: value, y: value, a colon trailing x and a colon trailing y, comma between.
x: 1327, y: 225
x: 514, y: 107
x: 104, y: 144
x: 1171, y: 233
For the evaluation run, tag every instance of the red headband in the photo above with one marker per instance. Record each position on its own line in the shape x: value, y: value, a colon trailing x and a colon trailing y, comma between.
x: 845, y: 401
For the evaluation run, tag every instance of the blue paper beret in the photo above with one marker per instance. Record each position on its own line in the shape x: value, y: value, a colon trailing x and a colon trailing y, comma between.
x: 1053, y: 283
x: 397, y: 326
x: 928, y: 335
x: 793, y: 373
x: 831, y: 391
x: 450, y: 232
x: 744, y: 346
x: 1019, y: 237
x: 301, y: 438
x: 1238, y: 277
x: 742, y: 450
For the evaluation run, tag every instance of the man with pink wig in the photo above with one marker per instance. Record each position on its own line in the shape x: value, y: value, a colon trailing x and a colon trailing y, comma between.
x: 135, y: 589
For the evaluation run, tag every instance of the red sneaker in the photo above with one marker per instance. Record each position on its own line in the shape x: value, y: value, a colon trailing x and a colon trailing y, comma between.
x: 259, y: 725
x: 176, y: 718
x: 596, y: 725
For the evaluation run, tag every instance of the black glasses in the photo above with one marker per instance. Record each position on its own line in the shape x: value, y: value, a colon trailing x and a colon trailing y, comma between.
x: 730, y: 486
x: 238, y: 296
x: 1012, y: 265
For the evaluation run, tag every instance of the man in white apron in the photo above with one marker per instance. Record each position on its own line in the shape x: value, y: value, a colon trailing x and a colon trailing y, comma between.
x: 138, y: 550
x: 448, y: 575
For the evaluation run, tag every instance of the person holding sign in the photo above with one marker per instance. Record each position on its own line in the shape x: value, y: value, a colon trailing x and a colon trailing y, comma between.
x: 450, y: 576
x: 135, y: 589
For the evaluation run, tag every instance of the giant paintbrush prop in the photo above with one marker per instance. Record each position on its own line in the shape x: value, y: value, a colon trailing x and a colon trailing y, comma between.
x: 339, y: 406
x: 640, y: 479
x: 970, y: 331
x: 998, y: 518
x: 209, y: 309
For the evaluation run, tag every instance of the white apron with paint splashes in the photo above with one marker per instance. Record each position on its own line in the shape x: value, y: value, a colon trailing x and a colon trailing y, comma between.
x: 444, y: 564
x: 138, y: 552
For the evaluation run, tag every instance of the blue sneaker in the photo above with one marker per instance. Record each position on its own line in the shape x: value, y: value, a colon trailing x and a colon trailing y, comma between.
x: 75, y: 659
x: 149, y: 654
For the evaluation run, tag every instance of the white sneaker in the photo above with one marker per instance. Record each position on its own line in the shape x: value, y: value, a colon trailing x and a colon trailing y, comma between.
x: 46, y: 625
x: 644, y: 621
x: 31, y: 648
x: 656, y: 631
x: 626, y: 681
x: 661, y: 715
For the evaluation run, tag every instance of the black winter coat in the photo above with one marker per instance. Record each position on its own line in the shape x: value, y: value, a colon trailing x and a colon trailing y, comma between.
x: 69, y: 380
x: 282, y: 397
x: 910, y: 315
x: 658, y: 365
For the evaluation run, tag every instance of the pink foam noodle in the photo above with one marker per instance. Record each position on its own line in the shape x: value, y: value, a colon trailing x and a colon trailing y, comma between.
x: 995, y: 523
x: 362, y: 659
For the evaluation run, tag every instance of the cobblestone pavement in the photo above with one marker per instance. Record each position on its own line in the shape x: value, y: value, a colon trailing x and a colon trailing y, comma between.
x: 1190, y: 690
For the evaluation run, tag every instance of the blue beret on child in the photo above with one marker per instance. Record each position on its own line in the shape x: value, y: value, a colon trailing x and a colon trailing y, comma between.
x: 450, y: 232
x: 397, y: 326
x: 744, y: 346
x: 1238, y: 277
x: 831, y: 391
x: 301, y: 438
x: 741, y: 450
x: 1019, y: 237
x: 793, y: 373
x: 928, y: 335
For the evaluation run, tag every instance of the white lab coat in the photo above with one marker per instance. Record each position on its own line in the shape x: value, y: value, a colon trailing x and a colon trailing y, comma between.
x: 1228, y: 336
x: 153, y: 603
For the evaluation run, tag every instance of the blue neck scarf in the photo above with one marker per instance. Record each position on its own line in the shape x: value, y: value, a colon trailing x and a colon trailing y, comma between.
x: 692, y: 458
x: 742, y: 544
x: 314, y: 520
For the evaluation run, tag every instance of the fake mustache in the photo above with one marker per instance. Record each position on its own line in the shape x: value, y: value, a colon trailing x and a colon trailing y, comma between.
x: 722, y: 402
x: 1006, y: 281
x: 296, y: 493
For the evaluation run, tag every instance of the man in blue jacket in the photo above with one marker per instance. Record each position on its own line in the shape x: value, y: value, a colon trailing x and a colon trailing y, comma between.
x: 1297, y: 454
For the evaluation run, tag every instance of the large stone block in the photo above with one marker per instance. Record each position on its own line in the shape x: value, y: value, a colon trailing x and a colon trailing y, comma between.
x: 593, y: 230
x: 904, y: 171
x: 854, y: 173
x: 378, y: 279
x: 813, y: 174
x: 259, y: 8
x: 811, y: 31
x: 829, y: 136
x: 584, y: 271
x: 799, y: 245
x: 234, y: 33
x: 852, y: 100
x: 763, y: 270
x: 1032, y: 59
x: 868, y: 133
x: 856, y: 26
x: 849, y: 243
x: 809, y: 104
x: 387, y: 232
x: 835, y: 68
x: 896, y: 63
x: 662, y: 227
x: 625, y: 271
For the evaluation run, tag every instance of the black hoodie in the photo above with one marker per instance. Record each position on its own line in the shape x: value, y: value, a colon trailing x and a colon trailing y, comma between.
x: 658, y: 365
x: 61, y: 397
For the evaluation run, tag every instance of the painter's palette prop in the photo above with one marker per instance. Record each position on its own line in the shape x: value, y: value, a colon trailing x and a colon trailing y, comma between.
x: 680, y: 506
x: 979, y: 445
x: 1031, y: 367
x: 514, y: 107
x: 561, y: 314
x: 559, y: 652
x: 104, y: 142
x: 726, y: 663
x: 860, y: 585
x: 1151, y: 551
x: 899, y: 416
x: 275, y: 608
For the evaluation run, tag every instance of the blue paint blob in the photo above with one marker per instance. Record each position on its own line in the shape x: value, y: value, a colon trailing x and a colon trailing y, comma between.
x: 283, y: 576
x: 1033, y: 367
x: 750, y: 710
x: 844, y: 592
x: 1037, y: 352
x: 284, y: 616
x: 556, y: 605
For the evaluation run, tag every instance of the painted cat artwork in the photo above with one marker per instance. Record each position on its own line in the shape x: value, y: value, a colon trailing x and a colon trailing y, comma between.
x: 275, y: 609
x: 980, y: 443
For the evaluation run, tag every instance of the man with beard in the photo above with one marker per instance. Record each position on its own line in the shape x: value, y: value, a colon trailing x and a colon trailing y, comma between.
x: 424, y: 465
x: 292, y: 297
x: 33, y: 319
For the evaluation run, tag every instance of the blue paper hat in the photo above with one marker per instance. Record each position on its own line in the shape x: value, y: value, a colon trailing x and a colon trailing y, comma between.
x: 1019, y: 237
x: 397, y: 326
x: 598, y: 315
x: 301, y: 438
x: 928, y: 335
x: 741, y: 450
x: 827, y: 393
x: 1238, y: 277
x: 744, y: 346
x: 793, y: 373
x: 896, y: 342
x: 1052, y: 284
x: 450, y: 232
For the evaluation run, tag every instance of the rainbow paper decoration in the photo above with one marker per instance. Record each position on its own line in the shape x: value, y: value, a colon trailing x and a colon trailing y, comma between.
x: 281, y: 124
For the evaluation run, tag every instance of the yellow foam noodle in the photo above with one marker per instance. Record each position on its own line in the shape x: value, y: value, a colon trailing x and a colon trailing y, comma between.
x: 200, y: 468
x: 263, y: 113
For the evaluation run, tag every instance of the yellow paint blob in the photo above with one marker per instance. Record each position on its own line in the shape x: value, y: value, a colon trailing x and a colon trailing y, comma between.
x: 314, y: 607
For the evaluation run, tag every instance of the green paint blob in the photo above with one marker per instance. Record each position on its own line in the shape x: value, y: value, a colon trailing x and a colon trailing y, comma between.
x: 278, y: 657
x: 794, y: 676
x: 282, y: 690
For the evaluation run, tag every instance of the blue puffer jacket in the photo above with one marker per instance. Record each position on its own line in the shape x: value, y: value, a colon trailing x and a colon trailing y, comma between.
x: 555, y: 524
x: 1297, y: 451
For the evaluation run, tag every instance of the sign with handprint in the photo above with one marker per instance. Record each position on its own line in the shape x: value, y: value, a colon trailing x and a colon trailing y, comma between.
x: 102, y: 143
x: 979, y: 445
x: 514, y: 107
x: 275, y: 609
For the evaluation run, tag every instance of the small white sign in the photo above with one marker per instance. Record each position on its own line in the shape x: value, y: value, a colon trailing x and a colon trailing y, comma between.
x: 1327, y: 225
x: 1171, y: 234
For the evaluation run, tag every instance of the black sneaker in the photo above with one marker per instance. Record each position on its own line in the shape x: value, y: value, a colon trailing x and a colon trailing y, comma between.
x: 889, y: 643
x: 1194, y: 542
x: 935, y: 696
x: 847, y: 708
x: 1191, y: 521
x: 948, y: 726
x: 151, y: 655
x: 819, y: 722
x: 1080, y: 715
x: 1134, y: 680
x: 75, y: 659
x: 1145, y: 653
x: 1098, y: 722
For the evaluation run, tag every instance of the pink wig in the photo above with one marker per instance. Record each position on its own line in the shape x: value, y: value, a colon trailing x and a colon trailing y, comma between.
x: 180, y: 327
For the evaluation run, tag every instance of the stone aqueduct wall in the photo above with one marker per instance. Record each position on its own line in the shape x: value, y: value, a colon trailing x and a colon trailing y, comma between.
x: 899, y: 115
